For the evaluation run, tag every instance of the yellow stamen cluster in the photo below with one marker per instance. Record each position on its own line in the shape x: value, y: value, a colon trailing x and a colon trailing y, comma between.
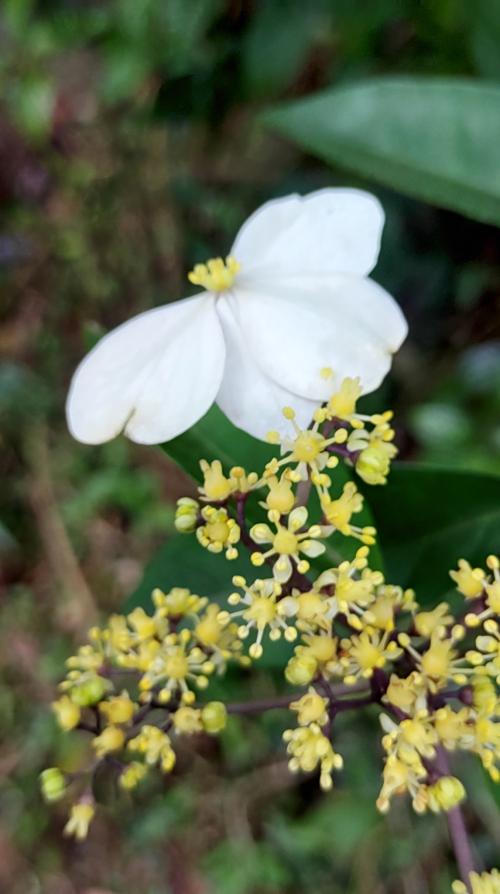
x: 219, y: 532
x: 216, y: 275
x: 309, y: 748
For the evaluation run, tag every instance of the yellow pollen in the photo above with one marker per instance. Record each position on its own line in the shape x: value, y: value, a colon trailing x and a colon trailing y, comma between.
x: 216, y: 275
x: 307, y: 446
x: 262, y: 611
x: 176, y: 666
x: 217, y: 531
x: 285, y: 542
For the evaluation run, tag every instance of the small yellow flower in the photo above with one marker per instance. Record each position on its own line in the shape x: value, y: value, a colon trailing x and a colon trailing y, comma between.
x: 342, y: 404
x: 79, y: 821
x: 311, y: 708
x: 309, y: 748
x: 260, y: 612
x: 406, y: 693
x: 220, y: 532
x: 400, y: 777
x: 155, y: 746
x: 111, y: 739
x: 216, y: 487
x: 427, y: 623
x: 187, y: 720
x: 339, y: 512
x: 175, y: 664
x: 307, y: 449
x: 452, y: 727
x: 469, y: 581
x: 366, y: 652
x: 178, y: 602
x: 288, y: 543
x: 132, y: 774
x: 281, y: 498
x: 67, y: 713
x: 119, y: 709
x: 374, y: 462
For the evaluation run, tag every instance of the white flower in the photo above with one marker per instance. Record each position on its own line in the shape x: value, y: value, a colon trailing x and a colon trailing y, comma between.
x: 283, y: 322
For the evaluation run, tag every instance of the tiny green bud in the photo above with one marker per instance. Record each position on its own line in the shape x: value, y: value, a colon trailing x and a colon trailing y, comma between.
x: 90, y: 692
x: 214, y: 717
x: 52, y: 784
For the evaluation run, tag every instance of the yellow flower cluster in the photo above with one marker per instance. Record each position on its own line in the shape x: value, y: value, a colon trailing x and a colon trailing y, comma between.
x: 132, y: 687
x: 479, y: 883
x: 357, y: 639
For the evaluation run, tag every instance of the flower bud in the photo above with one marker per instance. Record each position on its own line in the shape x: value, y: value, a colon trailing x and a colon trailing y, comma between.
x: 301, y: 669
x: 373, y: 463
x: 89, y: 692
x: 111, y: 739
x: 80, y: 818
x: 187, y: 720
x: 446, y: 793
x: 214, y: 717
x: 52, y: 784
x: 186, y: 515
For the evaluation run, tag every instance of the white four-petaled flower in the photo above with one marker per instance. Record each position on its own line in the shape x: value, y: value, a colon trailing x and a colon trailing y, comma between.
x: 287, y: 317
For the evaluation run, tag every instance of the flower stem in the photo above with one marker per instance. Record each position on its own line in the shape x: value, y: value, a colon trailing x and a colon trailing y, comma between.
x: 282, y: 701
x: 457, y: 829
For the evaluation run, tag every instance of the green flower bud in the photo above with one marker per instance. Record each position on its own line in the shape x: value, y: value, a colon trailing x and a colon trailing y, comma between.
x: 186, y: 515
x: 301, y: 669
x: 90, y: 692
x: 52, y: 784
x: 214, y: 717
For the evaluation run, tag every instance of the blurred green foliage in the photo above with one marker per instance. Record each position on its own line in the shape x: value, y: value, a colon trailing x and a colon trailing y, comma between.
x: 132, y: 146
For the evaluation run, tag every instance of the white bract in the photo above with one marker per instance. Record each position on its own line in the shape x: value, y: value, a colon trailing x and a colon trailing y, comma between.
x: 288, y: 316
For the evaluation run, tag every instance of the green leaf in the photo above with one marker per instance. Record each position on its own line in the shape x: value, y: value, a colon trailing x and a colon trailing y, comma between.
x: 214, y: 437
x: 277, y: 43
x: 433, y: 138
x: 183, y: 562
x: 428, y: 518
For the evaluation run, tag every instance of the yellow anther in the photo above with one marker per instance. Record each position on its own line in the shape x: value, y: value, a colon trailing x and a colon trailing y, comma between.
x: 216, y: 275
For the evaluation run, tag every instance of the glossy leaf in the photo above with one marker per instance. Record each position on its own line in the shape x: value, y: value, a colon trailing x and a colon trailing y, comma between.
x: 433, y: 138
x: 429, y: 517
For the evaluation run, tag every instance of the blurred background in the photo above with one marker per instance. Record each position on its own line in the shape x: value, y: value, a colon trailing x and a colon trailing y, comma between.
x: 130, y: 148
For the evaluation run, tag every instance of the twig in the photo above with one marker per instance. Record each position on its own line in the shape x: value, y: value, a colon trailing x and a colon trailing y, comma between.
x: 456, y: 827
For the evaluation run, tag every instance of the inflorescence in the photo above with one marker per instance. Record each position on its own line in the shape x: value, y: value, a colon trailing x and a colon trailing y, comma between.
x: 142, y: 681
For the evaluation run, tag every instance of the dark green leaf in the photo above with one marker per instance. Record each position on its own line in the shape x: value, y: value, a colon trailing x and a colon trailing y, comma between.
x: 214, y: 437
x: 428, y: 518
x: 436, y: 139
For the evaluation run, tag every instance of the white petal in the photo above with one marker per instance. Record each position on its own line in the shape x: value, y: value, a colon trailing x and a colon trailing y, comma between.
x: 282, y: 569
x: 345, y: 323
x: 329, y: 231
x: 248, y: 397
x: 312, y: 548
x: 298, y: 518
x: 153, y: 377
